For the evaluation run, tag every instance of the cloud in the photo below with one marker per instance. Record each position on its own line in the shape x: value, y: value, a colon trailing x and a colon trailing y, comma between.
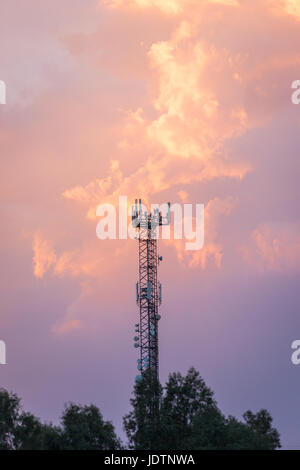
x: 292, y: 7
x: 180, y: 7
x: 194, y: 121
x: 44, y: 255
x: 172, y: 108
x: 66, y: 327
x: 273, y: 249
x: 212, y: 251
x: 184, y: 144
x: 78, y: 263
x: 173, y: 7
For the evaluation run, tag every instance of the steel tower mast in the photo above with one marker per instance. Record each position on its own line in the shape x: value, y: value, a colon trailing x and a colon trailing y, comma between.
x: 148, y: 288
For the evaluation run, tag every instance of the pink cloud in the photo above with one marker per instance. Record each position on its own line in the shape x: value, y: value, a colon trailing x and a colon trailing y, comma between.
x: 274, y: 249
x: 44, y: 256
x: 173, y: 7
x: 212, y: 251
x: 66, y: 327
x: 148, y: 105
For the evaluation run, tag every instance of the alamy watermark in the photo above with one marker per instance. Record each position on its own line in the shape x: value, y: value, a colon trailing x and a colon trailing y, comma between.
x: 2, y: 352
x: 296, y: 95
x: 185, y: 225
x: 2, y: 92
x: 295, y: 358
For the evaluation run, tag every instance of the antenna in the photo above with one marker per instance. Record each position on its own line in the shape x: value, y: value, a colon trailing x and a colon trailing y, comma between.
x: 148, y: 288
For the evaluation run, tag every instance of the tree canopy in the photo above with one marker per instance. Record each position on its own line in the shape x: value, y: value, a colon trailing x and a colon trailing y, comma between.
x: 188, y: 418
x: 182, y: 415
x: 81, y: 428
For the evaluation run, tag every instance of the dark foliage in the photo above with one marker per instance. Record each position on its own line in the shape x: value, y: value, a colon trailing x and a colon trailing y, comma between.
x: 188, y: 418
x: 82, y: 427
x: 182, y: 416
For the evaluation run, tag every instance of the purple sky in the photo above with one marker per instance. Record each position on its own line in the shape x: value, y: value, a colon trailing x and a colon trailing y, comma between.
x: 180, y: 101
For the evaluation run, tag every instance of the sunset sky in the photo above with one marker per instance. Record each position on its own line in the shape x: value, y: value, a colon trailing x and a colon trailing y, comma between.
x: 186, y: 101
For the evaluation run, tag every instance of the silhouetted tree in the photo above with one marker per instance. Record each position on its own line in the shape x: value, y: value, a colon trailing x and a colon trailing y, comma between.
x: 10, y: 410
x: 208, y: 430
x: 182, y: 416
x: 18, y: 430
x: 255, y: 432
x: 83, y: 428
x: 184, y: 398
x: 142, y: 424
x: 188, y: 418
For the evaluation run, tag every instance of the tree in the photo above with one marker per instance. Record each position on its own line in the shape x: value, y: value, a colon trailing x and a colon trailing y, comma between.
x: 28, y: 433
x: 52, y: 437
x: 19, y: 430
x: 182, y: 416
x: 9, y: 415
x: 184, y: 399
x: 142, y: 424
x: 255, y: 432
x: 208, y: 430
x: 168, y: 425
x: 188, y: 418
x: 83, y: 428
x: 211, y: 430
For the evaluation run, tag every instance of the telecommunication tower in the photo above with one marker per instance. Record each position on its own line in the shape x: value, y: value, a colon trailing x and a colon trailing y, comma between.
x: 148, y: 288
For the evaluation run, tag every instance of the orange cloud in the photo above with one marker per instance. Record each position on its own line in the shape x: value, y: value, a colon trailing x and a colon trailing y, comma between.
x: 179, y: 7
x: 184, y: 143
x: 179, y: 138
x: 173, y: 7
x: 44, y: 256
x: 193, y: 121
x: 212, y: 250
x: 66, y: 327
x: 292, y: 7
x: 197, y: 80
x: 77, y: 263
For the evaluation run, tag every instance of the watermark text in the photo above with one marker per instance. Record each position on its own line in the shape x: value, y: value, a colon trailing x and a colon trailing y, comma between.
x: 2, y: 92
x: 187, y: 222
